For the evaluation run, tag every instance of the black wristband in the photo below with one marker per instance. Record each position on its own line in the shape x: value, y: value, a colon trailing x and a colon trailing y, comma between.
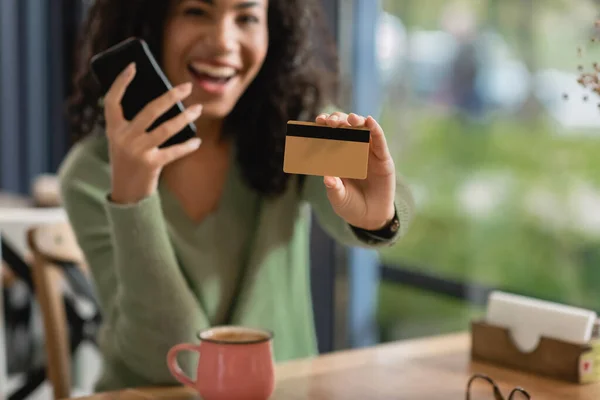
x: 381, y: 235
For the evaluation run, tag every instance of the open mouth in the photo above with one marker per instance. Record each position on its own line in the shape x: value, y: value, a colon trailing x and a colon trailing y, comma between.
x: 211, y: 73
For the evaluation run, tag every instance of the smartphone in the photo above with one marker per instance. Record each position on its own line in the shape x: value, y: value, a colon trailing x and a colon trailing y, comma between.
x: 149, y: 83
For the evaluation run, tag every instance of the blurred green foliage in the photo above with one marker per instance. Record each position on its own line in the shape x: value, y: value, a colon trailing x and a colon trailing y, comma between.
x: 512, y: 201
x: 498, y: 205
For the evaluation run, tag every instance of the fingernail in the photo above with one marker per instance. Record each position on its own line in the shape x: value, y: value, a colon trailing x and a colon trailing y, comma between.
x: 194, y: 111
x: 321, y: 116
x: 334, y: 118
x: 130, y: 69
x: 184, y: 89
x: 194, y: 143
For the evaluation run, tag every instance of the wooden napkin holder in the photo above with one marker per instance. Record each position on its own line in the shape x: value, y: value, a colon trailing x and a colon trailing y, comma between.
x: 552, y: 358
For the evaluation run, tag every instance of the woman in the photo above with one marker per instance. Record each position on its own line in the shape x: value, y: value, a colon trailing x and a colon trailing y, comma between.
x: 196, y: 235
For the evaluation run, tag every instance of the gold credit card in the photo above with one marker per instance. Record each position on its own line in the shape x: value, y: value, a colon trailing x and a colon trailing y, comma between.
x: 314, y: 149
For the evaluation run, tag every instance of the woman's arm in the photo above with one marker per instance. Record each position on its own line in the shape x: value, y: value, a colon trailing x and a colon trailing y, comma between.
x: 315, y: 193
x: 146, y: 303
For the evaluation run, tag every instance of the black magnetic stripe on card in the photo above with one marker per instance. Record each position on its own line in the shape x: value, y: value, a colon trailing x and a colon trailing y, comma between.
x: 324, y: 132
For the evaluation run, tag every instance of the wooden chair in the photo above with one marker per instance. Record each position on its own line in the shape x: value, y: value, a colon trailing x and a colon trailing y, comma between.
x: 58, y: 261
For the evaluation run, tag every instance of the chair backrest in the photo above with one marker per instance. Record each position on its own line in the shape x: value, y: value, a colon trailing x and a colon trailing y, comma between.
x: 48, y: 244
x: 45, y: 191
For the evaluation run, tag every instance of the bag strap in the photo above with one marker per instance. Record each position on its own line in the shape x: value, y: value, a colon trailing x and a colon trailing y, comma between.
x: 16, y: 263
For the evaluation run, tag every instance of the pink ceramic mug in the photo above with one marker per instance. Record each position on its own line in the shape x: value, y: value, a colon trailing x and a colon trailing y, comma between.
x: 235, y: 363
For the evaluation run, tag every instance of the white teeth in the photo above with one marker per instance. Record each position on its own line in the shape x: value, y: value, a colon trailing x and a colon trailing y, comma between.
x: 214, y: 71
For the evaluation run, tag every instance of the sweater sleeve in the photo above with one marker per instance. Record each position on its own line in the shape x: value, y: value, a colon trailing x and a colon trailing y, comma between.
x: 147, y: 306
x: 315, y: 193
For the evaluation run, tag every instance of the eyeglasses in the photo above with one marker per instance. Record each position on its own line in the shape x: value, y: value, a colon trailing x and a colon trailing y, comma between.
x: 482, y: 387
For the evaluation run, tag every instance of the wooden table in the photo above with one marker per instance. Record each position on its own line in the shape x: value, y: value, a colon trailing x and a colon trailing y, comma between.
x: 435, y: 368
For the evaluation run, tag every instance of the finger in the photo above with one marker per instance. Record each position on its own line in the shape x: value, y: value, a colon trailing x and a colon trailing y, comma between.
x: 169, y: 128
x: 322, y: 118
x: 114, y: 96
x: 177, y: 151
x: 159, y: 106
x: 337, y: 119
x: 356, y: 120
x: 379, y: 145
x: 336, y: 191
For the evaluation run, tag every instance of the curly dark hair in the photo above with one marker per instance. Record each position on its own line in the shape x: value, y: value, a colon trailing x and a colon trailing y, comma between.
x: 297, y: 80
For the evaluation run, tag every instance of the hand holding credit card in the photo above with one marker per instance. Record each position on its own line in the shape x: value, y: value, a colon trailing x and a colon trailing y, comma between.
x: 350, y: 152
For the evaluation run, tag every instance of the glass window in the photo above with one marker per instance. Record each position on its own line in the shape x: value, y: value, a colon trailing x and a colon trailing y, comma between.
x: 488, y: 123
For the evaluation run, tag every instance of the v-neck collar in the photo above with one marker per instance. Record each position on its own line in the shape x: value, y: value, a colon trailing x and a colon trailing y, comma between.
x: 174, y: 210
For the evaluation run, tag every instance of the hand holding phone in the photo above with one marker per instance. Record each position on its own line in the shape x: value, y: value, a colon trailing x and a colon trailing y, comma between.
x: 136, y: 141
x: 149, y: 83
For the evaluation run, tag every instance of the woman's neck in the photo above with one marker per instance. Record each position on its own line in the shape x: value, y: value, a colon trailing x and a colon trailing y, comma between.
x: 209, y: 129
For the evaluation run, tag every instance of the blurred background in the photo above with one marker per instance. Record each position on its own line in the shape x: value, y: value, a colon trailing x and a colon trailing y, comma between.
x: 505, y: 169
x: 486, y: 121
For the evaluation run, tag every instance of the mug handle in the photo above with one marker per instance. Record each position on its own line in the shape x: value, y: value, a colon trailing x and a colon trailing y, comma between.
x: 174, y: 367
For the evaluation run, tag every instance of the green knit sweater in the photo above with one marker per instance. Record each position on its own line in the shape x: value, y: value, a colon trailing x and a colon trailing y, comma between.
x: 161, y: 278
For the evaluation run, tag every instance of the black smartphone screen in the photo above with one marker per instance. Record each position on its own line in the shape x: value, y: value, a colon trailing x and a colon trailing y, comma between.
x: 149, y: 83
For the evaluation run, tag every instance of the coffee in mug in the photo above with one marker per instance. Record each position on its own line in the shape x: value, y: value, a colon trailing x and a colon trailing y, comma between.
x: 236, y: 336
x: 235, y: 363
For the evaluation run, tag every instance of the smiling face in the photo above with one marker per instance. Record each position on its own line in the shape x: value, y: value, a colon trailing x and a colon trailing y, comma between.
x: 219, y: 46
